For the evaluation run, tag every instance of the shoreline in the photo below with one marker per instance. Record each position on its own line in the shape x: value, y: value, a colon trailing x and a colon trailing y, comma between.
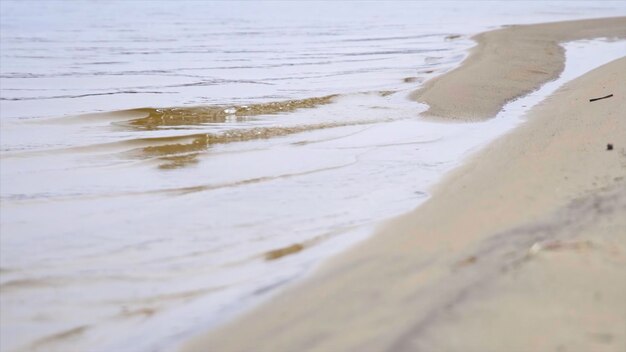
x: 402, y: 283
x: 496, y: 72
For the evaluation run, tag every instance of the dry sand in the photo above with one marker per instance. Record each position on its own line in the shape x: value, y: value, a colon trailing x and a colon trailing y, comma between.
x: 522, y: 249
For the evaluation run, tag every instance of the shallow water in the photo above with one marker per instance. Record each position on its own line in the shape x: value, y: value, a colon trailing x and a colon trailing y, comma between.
x: 139, y: 226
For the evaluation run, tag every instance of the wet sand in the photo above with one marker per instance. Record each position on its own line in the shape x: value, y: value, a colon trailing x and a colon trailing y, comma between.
x: 506, y: 64
x: 523, y: 248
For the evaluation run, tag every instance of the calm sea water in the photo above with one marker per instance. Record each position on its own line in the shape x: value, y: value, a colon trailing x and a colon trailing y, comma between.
x: 150, y: 183
x: 68, y: 57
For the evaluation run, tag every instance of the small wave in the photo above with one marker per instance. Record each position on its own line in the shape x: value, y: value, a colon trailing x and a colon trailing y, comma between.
x: 185, y: 116
x: 25, y: 284
x: 181, y: 151
x: 82, y: 95
x: 368, y: 39
x: 175, y: 151
x: 54, y: 339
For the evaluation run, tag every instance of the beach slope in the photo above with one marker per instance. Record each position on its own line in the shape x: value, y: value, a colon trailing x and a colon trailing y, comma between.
x: 522, y: 249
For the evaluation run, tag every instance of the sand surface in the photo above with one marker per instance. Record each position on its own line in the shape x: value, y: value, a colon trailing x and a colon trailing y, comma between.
x: 506, y: 64
x: 522, y: 249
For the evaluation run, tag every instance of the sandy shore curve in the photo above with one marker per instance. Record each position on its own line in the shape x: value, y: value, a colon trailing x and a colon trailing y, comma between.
x: 508, y: 63
x: 521, y: 249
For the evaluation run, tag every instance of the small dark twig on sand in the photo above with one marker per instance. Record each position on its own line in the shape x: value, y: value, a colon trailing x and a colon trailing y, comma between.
x: 594, y: 99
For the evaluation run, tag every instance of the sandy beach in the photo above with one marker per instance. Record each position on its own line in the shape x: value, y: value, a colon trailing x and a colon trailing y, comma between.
x: 521, y: 249
x: 506, y: 64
